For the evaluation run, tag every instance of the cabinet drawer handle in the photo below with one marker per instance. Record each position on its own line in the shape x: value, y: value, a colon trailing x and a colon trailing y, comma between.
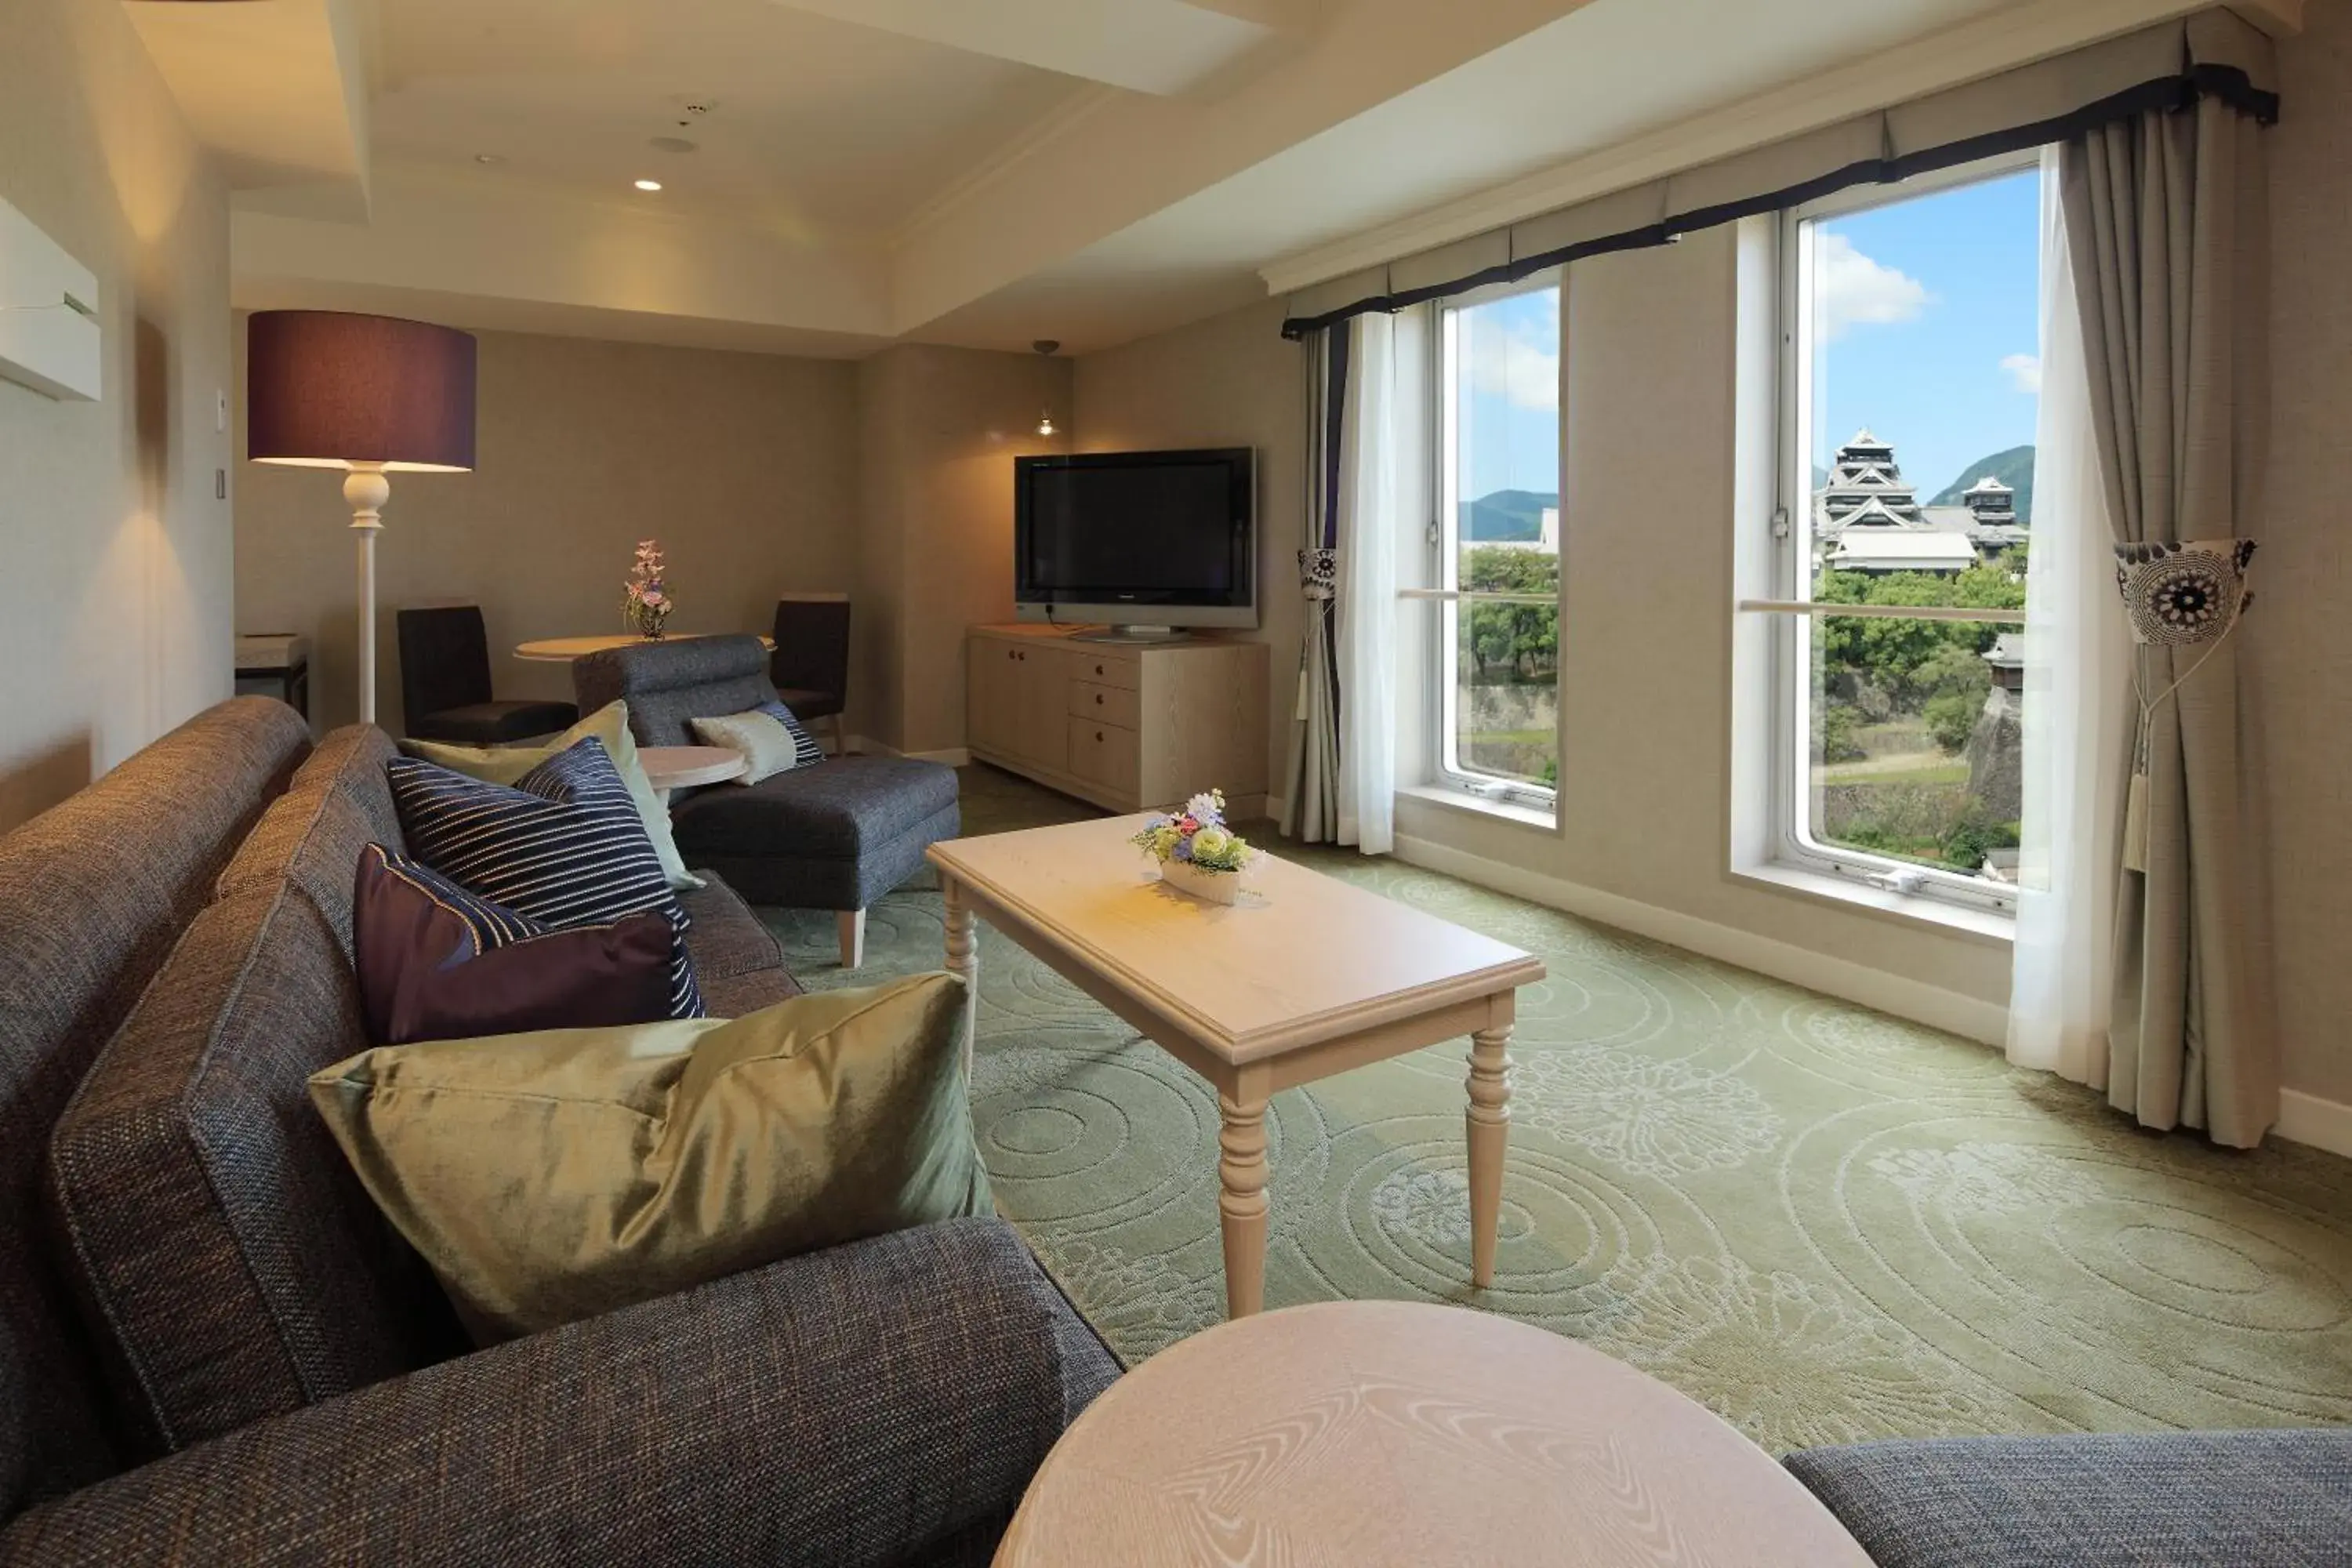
x: 1098, y: 699
x: 1099, y: 734
x: 1099, y: 670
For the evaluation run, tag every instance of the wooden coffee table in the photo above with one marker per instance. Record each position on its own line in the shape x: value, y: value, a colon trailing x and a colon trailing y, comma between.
x: 1315, y: 977
x: 1392, y: 1433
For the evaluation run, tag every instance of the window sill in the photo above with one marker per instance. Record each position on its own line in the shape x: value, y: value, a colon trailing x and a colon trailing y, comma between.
x: 1988, y: 926
x: 1479, y: 805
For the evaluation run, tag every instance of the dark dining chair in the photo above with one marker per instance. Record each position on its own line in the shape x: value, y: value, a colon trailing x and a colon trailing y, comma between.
x: 810, y: 668
x: 445, y: 684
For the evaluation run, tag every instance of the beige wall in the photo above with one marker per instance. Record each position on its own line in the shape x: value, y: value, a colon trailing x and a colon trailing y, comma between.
x: 744, y: 466
x: 941, y: 428
x: 1230, y: 381
x: 116, y: 621
x: 2300, y: 652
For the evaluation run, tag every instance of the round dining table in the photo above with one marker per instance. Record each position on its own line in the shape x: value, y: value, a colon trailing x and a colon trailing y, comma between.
x: 564, y: 650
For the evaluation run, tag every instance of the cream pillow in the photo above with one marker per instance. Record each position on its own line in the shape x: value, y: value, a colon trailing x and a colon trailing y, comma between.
x: 768, y: 739
x: 557, y: 1175
x: 610, y: 724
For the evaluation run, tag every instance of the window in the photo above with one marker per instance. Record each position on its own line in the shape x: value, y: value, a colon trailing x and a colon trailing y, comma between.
x: 1910, y: 386
x: 1496, y: 540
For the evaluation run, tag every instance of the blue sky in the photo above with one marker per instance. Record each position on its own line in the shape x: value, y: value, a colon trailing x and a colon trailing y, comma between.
x: 1507, y: 421
x: 1933, y: 307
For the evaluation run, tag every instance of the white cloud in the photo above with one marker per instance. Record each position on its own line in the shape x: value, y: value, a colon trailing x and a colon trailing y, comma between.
x: 2024, y: 370
x: 1852, y: 290
x: 1524, y: 373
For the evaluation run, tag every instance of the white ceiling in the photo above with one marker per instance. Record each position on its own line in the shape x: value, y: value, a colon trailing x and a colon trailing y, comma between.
x: 814, y: 125
x: 983, y: 171
x: 1604, y: 76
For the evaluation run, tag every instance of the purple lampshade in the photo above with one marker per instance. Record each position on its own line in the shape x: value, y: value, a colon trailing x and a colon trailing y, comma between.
x: 324, y: 389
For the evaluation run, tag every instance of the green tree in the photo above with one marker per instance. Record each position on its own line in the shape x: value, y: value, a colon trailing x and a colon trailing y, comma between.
x: 1833, y: 733
x: 1521, y: 641
x: 1891, y: 652
x: 1952, y: 718
x: 1951, y: 671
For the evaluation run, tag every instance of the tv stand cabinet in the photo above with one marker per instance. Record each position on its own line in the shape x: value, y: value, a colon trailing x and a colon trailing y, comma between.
x: 1127, y: 726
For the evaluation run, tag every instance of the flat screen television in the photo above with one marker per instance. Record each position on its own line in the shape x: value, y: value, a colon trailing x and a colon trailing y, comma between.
x: 1148, y: 542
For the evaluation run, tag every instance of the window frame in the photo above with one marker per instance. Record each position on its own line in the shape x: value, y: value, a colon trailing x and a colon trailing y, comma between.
x: 1444, y: 554
x: 1791, y: 838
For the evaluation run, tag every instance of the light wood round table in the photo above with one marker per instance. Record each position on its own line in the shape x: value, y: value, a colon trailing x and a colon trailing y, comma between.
x: 683, y: 767
x: 564, y: 650
x: 1394, y: 1433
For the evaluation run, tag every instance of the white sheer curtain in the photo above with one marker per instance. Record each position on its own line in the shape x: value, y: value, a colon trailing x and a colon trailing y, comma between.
x: 2077, y: 708
x: 1364, y: 610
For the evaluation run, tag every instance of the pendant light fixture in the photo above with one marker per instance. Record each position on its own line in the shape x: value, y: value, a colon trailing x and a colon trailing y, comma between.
x: 1045, y: 425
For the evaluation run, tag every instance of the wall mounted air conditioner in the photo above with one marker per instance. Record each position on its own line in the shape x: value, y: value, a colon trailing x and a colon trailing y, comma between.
x: 49, y: 335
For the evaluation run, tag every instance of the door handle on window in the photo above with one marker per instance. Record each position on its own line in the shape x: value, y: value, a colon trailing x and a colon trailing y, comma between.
x: 1903, y: 879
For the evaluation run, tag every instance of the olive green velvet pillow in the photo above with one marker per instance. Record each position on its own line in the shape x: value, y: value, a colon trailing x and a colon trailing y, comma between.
x: 561, y: 1174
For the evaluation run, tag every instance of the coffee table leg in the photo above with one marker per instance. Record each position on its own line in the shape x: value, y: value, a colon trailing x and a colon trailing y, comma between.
x: 1489, y: 1124
x: 1240, y: 1203
x: 963, y: 959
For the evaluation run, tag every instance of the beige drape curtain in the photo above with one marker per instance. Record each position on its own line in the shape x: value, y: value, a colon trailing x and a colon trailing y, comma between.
x: 2166, y: 225
x: 1310, y: 801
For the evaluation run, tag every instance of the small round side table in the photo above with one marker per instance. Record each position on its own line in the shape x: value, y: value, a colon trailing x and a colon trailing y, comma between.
x: 683, y: 767
x: 1384, y: 1433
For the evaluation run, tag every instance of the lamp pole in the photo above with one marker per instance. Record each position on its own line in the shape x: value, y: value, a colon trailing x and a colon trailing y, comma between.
x: 365, y: 491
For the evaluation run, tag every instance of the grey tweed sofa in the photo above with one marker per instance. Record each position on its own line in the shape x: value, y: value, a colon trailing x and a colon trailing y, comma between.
x: 2277, y: 1498
x: 836, y: 836
x: 214, y: 1350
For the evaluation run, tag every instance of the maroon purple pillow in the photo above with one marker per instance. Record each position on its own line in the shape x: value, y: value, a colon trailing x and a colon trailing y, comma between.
x: 438, y: 963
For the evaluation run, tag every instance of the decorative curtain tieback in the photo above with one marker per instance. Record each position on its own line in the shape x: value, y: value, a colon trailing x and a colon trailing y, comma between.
x: 1318, y: 573
x: 2186, y: 595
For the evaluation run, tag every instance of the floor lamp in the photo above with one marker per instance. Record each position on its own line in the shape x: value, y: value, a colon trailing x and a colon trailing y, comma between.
x: 372, y: 394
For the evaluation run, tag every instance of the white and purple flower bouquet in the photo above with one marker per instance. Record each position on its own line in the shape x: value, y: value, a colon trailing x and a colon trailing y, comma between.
x: 647, y: 605
x: 1196, y: 837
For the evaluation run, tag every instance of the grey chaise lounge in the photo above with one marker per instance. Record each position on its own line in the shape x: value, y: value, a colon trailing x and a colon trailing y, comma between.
x: 2263, y: 1498
x: 834, y: 836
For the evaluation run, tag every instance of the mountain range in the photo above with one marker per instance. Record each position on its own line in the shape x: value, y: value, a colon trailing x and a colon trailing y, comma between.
x: 1506, y: 515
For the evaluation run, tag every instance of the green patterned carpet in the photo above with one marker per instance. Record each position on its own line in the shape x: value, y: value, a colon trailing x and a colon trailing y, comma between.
x: 1826, y: 1224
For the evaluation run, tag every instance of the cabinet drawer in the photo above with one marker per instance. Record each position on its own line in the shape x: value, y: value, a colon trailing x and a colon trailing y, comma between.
x: 1107, y: 754
x: 1111, y: 704
x: 1106, y: 669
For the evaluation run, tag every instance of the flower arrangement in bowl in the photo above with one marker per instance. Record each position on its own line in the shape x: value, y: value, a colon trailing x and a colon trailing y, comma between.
x: 647, y: 605
x: 1196, y: 851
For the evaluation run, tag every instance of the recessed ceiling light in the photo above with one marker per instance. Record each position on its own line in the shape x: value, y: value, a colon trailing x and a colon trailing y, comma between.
x: 487, y: 158
x: 649, y: 185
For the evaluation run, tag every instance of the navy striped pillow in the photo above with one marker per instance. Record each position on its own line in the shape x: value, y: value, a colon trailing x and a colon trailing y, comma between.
x: 564, y: 847
x: 806, y: 750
